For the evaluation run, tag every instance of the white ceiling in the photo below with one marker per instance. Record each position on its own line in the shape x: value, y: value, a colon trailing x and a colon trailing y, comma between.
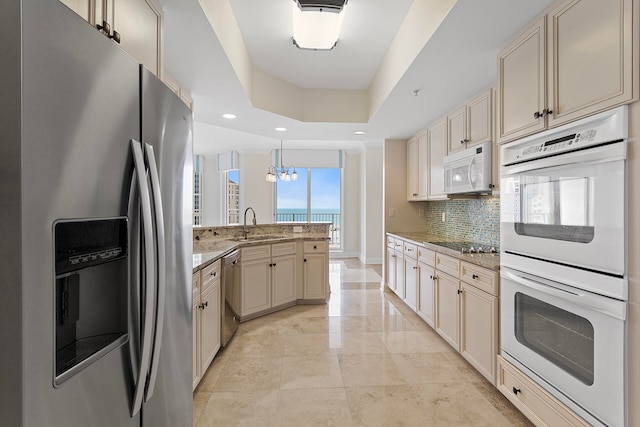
x: 458, y: 61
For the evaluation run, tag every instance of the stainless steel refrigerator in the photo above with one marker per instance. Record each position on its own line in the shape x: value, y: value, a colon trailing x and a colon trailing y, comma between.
x: 95, y: 230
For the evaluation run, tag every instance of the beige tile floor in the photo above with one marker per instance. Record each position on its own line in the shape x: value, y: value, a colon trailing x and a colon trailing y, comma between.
x: 363, y: 359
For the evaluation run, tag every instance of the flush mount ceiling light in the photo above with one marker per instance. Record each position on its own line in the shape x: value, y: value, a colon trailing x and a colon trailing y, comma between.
x: 316, y: 23
x: 281, y: 129
x: 282, y: 173
x: 359, y: 132
x: 229, y: 116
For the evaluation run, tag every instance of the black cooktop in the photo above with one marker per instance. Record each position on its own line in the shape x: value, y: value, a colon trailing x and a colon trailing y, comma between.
x: 467, y: 247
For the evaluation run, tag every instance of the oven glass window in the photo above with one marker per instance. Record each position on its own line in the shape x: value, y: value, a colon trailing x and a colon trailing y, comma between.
x: 561, y: 337
x: 559, y: 209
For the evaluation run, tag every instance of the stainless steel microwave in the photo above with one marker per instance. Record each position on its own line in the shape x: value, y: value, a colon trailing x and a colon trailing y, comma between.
x: 468, y: 171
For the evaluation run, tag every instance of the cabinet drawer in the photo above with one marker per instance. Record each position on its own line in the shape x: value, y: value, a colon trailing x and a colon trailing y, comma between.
x: 397, y: 245
x: 532, y: 400
x: 287, y: 248
x: 210, y: 274
x: 482, y: 278
x: 319, y: 246
x: 449, y: 265
x: 410, y: 250
x: 426, y: 256
x: 255, y: 252
x: 391, y: 242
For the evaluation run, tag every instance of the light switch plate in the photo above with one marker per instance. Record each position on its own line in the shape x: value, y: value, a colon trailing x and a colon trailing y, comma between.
x: 444, y: 216
x: 392, y: 211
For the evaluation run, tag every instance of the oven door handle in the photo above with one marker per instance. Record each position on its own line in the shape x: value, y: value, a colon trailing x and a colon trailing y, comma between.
x: 608, y: 306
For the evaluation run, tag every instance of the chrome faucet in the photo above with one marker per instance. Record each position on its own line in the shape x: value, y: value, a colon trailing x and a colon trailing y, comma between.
x: 244, y: 227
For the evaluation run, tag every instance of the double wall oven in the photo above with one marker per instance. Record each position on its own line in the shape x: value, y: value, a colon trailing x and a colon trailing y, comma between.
x: 564, y: 263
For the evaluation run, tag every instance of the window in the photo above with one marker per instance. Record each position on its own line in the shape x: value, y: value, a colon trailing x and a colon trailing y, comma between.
x: 314, y: 197
x: 232, y: 197
x: 197, y: 192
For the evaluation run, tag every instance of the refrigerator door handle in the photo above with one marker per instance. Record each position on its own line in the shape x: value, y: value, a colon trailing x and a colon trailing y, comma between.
x: 149, y: 274
x: 160, y: 268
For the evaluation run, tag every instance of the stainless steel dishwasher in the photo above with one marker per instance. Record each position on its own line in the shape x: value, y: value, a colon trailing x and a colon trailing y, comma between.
x: 230, y: 286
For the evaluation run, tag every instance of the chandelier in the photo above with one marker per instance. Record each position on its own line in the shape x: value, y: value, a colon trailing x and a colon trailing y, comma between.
x: 282, y: 173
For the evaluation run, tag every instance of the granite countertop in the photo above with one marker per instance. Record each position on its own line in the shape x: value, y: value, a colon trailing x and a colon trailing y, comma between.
x: 429, y: 241
x: 204, y: 253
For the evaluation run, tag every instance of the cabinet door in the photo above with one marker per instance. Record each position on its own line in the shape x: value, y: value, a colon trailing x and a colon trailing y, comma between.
x: 522, y: 84
x: 423, y: 166
x: 399, y: 290
x: 457, y: 130
x: 81, y: 7
x: 411, y: 283
x: 448, y: 308
x: 392, y: 260
x: 480, y: 119
x: 315, y: 276
x: 283, y: 285
x: 426, y: 293
x: 437, y: 151
x: 139, y: 23
x: 479, y: 330
x: 255, y: 286
x: 590, y: 57
x: 210, y: 326
x: 412, y: 169
x: 195, y: 313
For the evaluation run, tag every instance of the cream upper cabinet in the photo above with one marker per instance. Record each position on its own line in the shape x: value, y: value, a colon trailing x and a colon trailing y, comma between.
x: 592, y: 57
x: 135, y: 24
x: 522, y: 84
x: 456, y: 129
x: 139, y: 23
x: 417, y: 167
x: 412, y: 169
x: 471, y: 124
x: 578, y: 59
x: 437, y: 151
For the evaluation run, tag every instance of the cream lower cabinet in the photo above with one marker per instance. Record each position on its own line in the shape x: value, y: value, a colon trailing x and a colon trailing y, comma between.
x: 206, y: 294
x: 267, y: 277
x: 426, y: 286
x: 467, y: 308
x: 316, y: 270
x: 533, y: 401
x: 195, y: 312
x: 391, y: 263
x: 410, y: 265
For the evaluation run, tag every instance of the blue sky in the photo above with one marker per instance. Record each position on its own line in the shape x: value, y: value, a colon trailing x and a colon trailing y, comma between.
x: 325, y: 190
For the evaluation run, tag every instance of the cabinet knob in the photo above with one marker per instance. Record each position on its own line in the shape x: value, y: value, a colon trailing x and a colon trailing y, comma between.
x: 546, y: 112
x: 305, y: 260
x: 537, y: 115
x: 315, y: 247
x: 462, y: 141
x: 415, y: 268
x: 474, y: 276
x: 105, y: 27
x: 516, y: 390
x: 459, y: 291
x: 415, y: 194
x: 213, y: 273
x: 115, y: 36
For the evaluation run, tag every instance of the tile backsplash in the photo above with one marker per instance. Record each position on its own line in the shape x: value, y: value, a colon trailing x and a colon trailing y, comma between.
x: 474, y: 220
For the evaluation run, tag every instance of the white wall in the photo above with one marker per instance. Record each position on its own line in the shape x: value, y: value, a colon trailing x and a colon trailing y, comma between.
x: 351, y: 205
x: 255, y: 191
x: 371, y: 203
x: 212, y: 197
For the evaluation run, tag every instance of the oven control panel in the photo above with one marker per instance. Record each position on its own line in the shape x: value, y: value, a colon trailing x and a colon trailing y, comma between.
x: 558, y: 144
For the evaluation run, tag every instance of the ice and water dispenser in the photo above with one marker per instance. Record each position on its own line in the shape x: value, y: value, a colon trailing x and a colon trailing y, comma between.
x: 91, y: 292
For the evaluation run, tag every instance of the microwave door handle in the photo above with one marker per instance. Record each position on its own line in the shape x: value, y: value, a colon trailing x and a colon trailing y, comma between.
x: 471, y: 183
x: 160, y: 269
x: 608, y: 306
x: 149, y: 273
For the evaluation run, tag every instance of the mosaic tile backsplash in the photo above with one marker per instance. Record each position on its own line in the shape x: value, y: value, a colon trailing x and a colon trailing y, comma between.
x: 473, y: 220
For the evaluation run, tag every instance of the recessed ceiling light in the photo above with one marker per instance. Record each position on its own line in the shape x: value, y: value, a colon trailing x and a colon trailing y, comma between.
x: 229, y: 116
x: 281, y: 129
x: 359, y: 132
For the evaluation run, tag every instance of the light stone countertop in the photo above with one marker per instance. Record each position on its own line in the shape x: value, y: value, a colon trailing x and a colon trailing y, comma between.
x: 205, y: 253
x: 429, y: 241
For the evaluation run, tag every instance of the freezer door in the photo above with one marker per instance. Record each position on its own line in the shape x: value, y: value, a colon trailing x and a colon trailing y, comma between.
x: 80, y: 108
x: 167, y: 127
